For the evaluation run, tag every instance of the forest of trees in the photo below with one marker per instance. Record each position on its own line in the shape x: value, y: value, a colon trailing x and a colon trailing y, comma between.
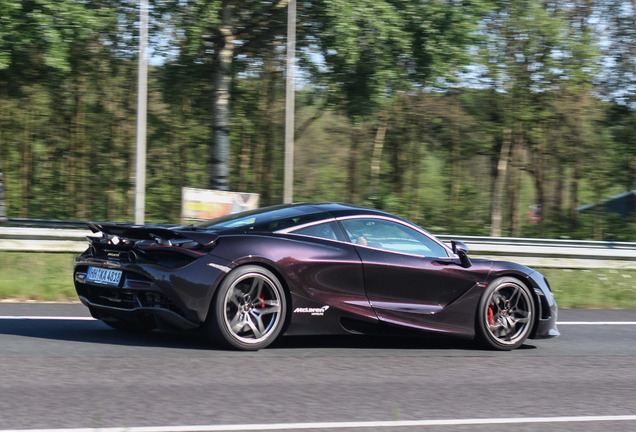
x: 468, y: 117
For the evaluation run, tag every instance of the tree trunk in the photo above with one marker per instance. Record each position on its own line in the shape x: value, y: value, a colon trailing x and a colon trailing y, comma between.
x: 25, y: 166
x: 399, y: 161
x: 79, y: 138
x: 574, y: 188
x: 264, y: 162
x: 456, y: 166
x: 515, y: 186
x: 3, y: 204
x: 539, y: 171
x: 269, y: 135
x: 500, y: 181
x: 416, y: 163
x: 221, y: 77
x: 244, y: 161
x: 4, y: 115
x: 3, y: 208
x: 376, y: 158
x: 353, y: 165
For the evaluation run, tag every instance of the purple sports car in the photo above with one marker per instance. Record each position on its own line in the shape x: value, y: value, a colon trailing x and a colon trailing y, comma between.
x: 315, y: 268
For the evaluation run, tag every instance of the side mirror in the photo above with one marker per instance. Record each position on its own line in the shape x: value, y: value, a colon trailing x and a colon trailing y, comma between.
x: 461, y: 250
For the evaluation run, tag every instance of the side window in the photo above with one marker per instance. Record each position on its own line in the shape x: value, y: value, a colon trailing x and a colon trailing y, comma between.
x: 323, y: 230
x: 289, y: 223
x: 391, y: 236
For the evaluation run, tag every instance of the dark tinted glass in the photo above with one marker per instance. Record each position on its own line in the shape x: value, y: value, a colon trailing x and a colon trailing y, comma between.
x: 267, y: 219
x: 323, y: 230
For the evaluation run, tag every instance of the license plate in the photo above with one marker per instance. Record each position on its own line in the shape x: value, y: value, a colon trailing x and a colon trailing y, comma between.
x: 103, y: 276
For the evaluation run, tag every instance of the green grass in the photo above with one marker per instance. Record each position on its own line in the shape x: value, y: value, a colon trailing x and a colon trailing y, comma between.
x: 49, y: 277
x: 597, y: 288
x: 37, y: 276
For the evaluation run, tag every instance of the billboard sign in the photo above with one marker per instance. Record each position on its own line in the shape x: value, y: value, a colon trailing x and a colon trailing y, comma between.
x: 204, y: 204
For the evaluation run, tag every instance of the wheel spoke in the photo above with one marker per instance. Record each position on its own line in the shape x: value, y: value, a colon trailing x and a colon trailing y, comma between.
x: 237, y: 323
x: 272, y: 306
x: 499, y: 302
x: 497, y: 326
x: 260, y: 313
x: 235, y: 296
x: 520, y: 317
x: 256, y: 288
x: 515, y: 297
x: 256, y: 327
x: 511, y: 323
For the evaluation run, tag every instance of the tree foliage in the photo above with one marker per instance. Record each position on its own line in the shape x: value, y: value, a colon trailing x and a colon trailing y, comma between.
x: 471, y: 117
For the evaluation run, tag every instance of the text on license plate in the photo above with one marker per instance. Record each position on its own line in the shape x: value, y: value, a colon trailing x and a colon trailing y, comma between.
x: 103, y: 276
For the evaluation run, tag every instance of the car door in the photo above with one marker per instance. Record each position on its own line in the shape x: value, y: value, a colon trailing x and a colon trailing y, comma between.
x: 409, y: 276
x: 327, y: 273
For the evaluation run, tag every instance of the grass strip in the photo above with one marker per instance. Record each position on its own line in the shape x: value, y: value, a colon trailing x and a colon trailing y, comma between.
x: 37, y: 276
x: 49, y: 277
x: 595, y: 288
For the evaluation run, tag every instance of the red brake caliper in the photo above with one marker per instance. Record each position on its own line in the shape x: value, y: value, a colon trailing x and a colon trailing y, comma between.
x: 491, y: 316
x: 262, y: 305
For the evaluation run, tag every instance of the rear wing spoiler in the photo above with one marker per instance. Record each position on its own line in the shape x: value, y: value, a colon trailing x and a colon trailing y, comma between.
x: 161, y: 234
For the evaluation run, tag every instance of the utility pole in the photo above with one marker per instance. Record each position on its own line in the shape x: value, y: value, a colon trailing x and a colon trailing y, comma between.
x: 142, y: 92
x: 288, y: 187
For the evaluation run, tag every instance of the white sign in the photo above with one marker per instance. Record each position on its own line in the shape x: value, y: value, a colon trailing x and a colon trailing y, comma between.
x: 204, y: 204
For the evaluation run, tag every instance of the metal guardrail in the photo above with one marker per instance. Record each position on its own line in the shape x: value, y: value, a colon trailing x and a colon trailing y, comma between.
x: 45, y: 223
x: 18, y: 239
x: 532, y: 252
x: 547, y: 253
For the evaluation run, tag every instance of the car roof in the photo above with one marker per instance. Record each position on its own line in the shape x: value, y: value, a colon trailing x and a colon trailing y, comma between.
x: 267, y: 218
x: 338, y: 209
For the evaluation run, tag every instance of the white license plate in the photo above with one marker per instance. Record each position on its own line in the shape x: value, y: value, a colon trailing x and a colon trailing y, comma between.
x: 103, y: 276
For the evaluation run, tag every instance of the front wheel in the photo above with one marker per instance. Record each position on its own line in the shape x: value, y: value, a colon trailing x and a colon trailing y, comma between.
x: 505, y: 315
x: 248, y: 310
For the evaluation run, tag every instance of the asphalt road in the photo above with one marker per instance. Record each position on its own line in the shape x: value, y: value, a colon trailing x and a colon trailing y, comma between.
x: 58, y: 373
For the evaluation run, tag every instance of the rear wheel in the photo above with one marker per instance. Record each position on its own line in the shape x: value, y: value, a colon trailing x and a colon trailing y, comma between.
x: 506, y: 314
x: 248, y: 310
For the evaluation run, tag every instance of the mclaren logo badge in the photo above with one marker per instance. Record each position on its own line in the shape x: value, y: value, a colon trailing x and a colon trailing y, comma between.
x: 313, y: 311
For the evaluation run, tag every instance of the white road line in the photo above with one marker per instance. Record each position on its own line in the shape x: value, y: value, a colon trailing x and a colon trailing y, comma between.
x: 77, y: 318
x: 596, y: 323
x: 61, y: 318
x: 346, y: 425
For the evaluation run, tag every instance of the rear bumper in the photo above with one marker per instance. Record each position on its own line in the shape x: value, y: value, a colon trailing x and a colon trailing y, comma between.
x: 159, y: 315
x: 179, y: 297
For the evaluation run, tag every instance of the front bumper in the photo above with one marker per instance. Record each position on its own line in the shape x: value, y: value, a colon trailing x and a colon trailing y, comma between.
x: 546, y: 326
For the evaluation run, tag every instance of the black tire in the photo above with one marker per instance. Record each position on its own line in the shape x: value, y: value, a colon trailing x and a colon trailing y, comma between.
x: 248, y: 310
x: 505, y: 315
